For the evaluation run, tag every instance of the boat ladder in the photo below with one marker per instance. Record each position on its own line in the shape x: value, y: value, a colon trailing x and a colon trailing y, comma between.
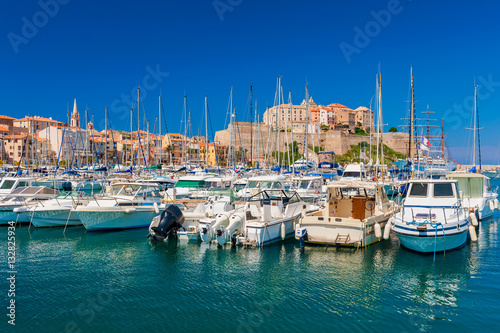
x: 342, y: 239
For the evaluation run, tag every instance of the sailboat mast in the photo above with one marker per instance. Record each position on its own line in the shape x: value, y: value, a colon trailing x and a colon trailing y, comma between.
x: 159, y: 125
x: 474, y: 128
x: 412, y: 110
x: 292, y: 159
x: 138, y: 124
x: 206, y: 131
x: 106, y: 138
x: 131, y: 129
x: 251, y: 128
x: 381, y: 122
x: 306, y: 147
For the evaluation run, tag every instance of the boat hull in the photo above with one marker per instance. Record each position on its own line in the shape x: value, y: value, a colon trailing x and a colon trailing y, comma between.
x: 347, y: 232
x: 454, y: 236
x: 116, y: 218
x: 260, y: 234
x: 54, y: 218
x: 430, y: 244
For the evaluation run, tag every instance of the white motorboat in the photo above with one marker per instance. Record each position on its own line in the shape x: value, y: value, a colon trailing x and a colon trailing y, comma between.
x: 310, y: 188
x: 476, y: 194
x: 260, y: 183
x: 186, y: 185
x: 23, y: 197
x: 354, y: 172
x: 54, y: 212
x: 126, y: 206
x: 269, y: 216
x: 432, y: 218
x: 9, y: 184
x: 355, y: 214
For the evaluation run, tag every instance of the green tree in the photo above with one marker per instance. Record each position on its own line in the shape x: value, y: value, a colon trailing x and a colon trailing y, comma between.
x: 393, y: 129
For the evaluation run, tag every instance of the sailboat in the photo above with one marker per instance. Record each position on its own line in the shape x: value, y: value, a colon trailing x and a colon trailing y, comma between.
x: 475, y: 188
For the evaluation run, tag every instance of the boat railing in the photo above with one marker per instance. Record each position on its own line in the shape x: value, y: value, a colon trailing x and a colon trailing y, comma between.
x: 430, y: 215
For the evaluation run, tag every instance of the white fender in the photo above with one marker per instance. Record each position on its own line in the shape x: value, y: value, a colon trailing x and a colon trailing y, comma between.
x: 157, y: 210
x: 130, y: 210
x: 473, y: 219
x: 472, y: 233
x: 496, y: 203
x: 492, y: 205
x: 378, y: 230
x: 283, y: 231
x: 387, y: 229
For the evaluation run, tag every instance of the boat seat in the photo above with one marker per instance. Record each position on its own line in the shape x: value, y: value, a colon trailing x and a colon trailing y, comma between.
x: 254, y: 210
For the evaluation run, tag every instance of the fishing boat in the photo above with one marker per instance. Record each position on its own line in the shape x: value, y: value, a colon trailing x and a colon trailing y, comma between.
x: 432, y: 218
x: 476, y: 194
x: 126, y: 206
x: 355, y: 214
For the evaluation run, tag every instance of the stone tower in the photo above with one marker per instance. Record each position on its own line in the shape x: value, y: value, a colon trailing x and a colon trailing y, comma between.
x: 75, y: 117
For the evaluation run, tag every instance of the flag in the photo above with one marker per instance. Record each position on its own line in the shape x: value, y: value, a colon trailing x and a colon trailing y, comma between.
x: 362, y: 155
x: 425, y: 142
x: 423, y: 147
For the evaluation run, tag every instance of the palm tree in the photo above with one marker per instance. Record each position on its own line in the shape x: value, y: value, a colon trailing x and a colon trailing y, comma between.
x: 169, y: 149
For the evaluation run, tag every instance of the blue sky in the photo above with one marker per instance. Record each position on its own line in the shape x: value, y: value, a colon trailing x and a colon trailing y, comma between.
x: 99, y: 52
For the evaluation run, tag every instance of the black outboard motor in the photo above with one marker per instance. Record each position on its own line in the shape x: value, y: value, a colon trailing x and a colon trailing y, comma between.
x: 167, y: 224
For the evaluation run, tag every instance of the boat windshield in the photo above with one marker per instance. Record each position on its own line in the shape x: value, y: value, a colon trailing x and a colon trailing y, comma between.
x: 443, y: 190
x: 418, y: 190
x: 470, y: 187
x: 301, y: 184
x: 127, y: 189
x: 7, y: 184
x: 355, y: 174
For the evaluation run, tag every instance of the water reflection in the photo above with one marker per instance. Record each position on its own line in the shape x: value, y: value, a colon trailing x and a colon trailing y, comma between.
x: 279, y: 287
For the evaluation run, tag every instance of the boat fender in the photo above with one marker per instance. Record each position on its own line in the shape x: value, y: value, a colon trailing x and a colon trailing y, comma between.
x: 492, y: 205
x: 378, y: 230
x: 472, y: 233
x: 16, y: 210
x: 387, y: 229
x: 283, y: 231
x: 157, y: 210
x: 473, y: 219
x: 130, y: 210
x: 496, y: 204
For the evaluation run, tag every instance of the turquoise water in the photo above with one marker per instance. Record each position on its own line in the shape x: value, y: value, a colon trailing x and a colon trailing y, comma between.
x: 120, y: 282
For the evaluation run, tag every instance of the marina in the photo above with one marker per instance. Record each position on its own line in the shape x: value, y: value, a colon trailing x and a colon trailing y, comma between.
x: 249, y: 166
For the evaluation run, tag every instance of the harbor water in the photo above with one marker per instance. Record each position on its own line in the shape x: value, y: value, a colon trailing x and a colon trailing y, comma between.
x: 120, y: 282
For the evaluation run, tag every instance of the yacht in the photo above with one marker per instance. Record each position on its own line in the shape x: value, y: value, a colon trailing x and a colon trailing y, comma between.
x: 125, y: 206
x: 355, y: 214
x: 432, y: 218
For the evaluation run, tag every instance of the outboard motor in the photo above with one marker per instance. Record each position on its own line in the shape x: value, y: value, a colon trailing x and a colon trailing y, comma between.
x: 167, y: 224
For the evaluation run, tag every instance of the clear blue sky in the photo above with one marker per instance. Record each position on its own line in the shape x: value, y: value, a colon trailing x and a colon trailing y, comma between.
x: 99, y: 52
